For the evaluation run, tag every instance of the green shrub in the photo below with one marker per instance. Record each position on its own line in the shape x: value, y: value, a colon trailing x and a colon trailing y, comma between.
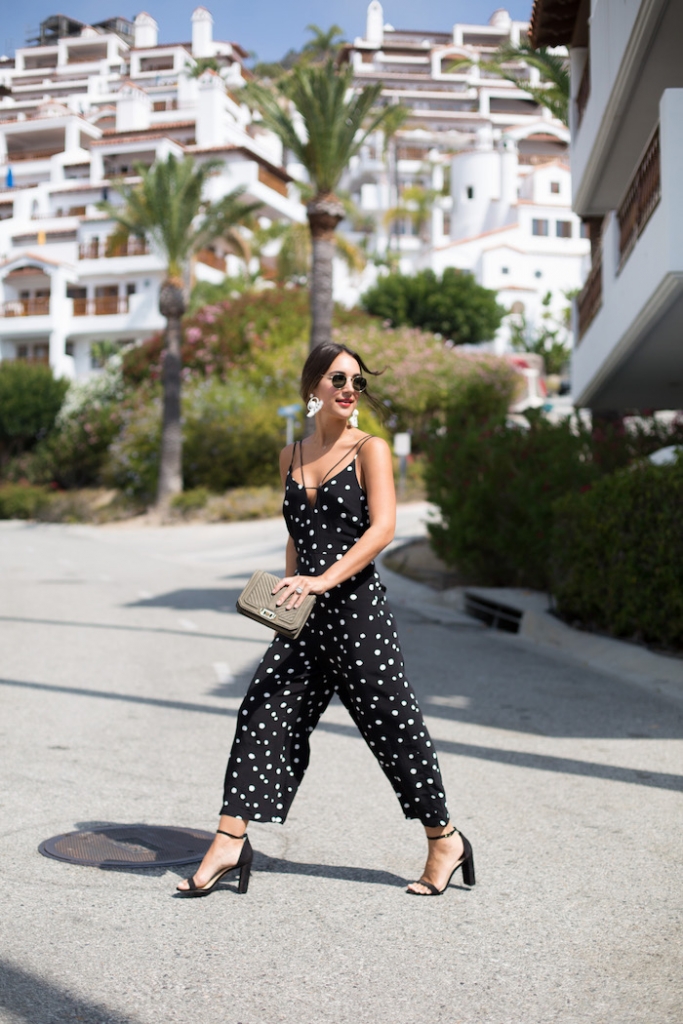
x: 231, y: 437
x: 190, y: 501
x: 22, y: 501
x: 74, y: 452
x: 453, y: 306
x: 617, y: 555
x: 30, y: 399
x: 132, y: 461
x: 495, y: 486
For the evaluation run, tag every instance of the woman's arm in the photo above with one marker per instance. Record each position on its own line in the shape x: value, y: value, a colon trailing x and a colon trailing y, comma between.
x: 378, y: 479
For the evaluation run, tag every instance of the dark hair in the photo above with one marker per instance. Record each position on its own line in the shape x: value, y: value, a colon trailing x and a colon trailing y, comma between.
x: 320, y: 360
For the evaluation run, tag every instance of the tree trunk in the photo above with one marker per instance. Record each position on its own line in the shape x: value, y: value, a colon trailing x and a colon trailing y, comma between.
x: 324, y: 214
x: 172, y: 307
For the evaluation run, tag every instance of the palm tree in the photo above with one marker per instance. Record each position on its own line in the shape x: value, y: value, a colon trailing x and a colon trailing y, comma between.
x: 323, y: 123
x: 324, y: 44
x: 553, y: 68
x: 416, y: 206
x: 167, y: 206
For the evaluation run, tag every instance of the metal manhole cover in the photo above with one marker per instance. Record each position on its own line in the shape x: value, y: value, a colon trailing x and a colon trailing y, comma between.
x: 114, y: 846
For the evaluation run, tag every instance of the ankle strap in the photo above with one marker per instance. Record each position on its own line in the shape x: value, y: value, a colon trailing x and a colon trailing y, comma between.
x: 446, y: 835
x: 243, y: 836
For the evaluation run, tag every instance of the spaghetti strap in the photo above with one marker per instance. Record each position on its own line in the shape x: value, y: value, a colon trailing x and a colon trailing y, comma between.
x: 301, y: 464
x: 368, y: 437
x: 332, y: 468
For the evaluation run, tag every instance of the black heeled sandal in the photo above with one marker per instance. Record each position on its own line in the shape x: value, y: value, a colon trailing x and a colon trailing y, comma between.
x: 244, y: 864
x: 466, y: 862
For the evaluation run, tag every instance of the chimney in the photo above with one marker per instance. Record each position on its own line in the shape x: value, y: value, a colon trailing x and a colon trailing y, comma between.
x: 133, y: 108
x: 202, y: 33
x: 211, y: 110
x: 374, y: 24
x: 146, y: 31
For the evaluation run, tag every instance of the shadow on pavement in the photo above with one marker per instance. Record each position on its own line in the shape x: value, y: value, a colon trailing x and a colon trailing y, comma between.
x: 191, y: 600
x: 343, y: 873
x: 543, y: 762
x: 197, y: 635
x: 38, y: 1001
x: 500, y: 682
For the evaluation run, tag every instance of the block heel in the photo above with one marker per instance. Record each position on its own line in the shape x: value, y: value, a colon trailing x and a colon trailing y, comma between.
x: 466, y: 862
x: 244, y: 863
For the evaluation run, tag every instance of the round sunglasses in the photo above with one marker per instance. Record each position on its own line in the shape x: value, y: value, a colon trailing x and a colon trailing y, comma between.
x: 338, y: 381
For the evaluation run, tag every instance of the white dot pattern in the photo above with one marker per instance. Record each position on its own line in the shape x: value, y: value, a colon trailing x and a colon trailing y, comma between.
x: 349, y: 646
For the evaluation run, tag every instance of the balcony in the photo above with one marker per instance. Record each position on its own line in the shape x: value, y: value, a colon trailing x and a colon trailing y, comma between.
x: 26, y: 307
x: 32, y: 154
x: 642, y: 197
x: 630, y: 312
x: 589, y: 300
x: 211, y: 259
x: 272, y: 181
x: 103, y: 305
x: 101, y: 249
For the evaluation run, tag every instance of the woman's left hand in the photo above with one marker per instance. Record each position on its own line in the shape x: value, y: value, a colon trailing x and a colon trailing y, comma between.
x: 296, y: 588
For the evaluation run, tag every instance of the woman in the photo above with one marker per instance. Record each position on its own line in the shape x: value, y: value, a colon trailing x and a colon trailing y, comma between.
x: 340, y: 510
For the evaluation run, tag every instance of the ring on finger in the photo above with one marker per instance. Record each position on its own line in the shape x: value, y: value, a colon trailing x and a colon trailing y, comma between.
x: 299, y: 590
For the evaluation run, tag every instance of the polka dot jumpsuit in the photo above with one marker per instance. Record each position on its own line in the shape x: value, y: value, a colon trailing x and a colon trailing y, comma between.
x: 349, y: 646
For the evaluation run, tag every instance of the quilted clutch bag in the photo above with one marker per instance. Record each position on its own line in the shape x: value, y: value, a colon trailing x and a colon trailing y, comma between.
x: 257, y: 601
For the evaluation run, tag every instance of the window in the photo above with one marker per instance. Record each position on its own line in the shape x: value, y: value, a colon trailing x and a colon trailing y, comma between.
x: 517, y: 307
x: 130, y: 289
x: 539, y: 227
x: 585, y: 229
x: 505, y: 270
x: 69, y: 348
x: 538, y: 273
x: 470, y: 191
x: 563, y: 229
x: 555, y: 187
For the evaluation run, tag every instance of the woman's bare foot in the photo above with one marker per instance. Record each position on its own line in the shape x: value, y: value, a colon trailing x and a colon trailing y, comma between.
x: 442, y: 857
x: 223, y: 853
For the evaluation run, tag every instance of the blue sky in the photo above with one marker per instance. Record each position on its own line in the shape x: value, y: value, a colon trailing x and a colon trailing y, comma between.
x: 267, y: 27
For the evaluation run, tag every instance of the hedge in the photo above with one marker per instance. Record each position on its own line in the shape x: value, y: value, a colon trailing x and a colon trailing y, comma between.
x: 495, y: 486
x: 30, y: 399
x: 617, y: 555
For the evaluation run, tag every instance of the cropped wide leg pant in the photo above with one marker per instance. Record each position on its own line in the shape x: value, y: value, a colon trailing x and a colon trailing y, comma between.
x: 348, y: 646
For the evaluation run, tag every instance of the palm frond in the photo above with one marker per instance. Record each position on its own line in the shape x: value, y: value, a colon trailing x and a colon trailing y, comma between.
x: 168, y: 207
x: 352, y: 255
x: 334, y: 121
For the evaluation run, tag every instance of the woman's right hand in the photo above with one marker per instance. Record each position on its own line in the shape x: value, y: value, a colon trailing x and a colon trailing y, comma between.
x: 294, y: 589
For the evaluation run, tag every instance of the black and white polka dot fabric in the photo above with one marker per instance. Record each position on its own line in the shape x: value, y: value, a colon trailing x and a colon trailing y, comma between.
x: 349, y: 646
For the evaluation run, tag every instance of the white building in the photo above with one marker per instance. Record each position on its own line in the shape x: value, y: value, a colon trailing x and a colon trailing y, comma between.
x: 496, y: 162
x: 78, y: 109
x: 513, y: 228
x: 627, y: 154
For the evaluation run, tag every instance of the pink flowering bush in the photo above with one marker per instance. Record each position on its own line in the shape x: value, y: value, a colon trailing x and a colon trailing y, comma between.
x: 420, y: 376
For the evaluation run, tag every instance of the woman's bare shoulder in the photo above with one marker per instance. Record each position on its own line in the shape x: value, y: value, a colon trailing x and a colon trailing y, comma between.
x: 374, y: 447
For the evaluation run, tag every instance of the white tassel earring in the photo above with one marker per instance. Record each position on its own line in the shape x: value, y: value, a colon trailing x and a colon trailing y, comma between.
x: 353, y: 418
x: 314, y: 406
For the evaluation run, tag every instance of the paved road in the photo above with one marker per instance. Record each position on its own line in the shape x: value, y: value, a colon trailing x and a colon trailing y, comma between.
x: 122, y: 663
